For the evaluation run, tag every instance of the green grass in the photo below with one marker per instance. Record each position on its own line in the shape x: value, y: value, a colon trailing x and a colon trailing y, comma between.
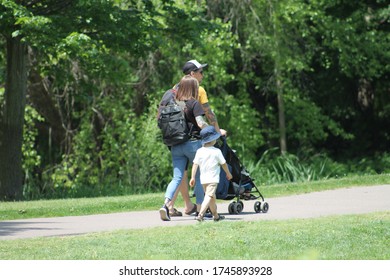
x: 352, y: 237
x: 87, y: 206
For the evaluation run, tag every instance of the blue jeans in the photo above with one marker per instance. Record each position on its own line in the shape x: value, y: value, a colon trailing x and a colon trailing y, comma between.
x: 181, y: 154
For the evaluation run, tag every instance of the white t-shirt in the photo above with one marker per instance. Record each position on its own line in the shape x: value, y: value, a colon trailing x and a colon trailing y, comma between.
x: 209, y: 160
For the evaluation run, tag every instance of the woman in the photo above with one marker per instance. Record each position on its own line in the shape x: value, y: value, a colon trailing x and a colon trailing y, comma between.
x: 185, y: 152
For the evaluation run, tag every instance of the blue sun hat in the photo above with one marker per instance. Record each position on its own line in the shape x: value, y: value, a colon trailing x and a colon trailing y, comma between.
x: 208, y: 134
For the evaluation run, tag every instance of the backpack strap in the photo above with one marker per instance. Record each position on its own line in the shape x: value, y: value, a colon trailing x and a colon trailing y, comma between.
x: 190, y: 125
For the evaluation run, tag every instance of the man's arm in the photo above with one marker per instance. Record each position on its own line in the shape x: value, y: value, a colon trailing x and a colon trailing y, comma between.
x: 210, y: 116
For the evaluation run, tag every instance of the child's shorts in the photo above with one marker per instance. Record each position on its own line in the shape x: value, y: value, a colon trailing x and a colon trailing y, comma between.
x: 210, y: 189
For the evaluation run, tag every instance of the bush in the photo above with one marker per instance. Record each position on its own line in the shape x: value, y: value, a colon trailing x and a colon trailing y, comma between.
x: 124, y: 157
x: 273, y: 168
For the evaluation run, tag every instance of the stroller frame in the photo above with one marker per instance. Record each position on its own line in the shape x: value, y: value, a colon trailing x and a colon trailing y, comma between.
x: 240, y: 184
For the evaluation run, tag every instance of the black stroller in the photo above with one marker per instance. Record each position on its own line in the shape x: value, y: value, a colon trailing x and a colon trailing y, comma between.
x: 241, y: 187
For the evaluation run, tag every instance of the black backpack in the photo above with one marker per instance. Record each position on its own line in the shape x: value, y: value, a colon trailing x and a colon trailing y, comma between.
x: 172, y: 121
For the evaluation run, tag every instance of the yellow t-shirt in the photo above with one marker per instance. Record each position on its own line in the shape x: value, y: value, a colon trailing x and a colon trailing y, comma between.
x: 202, y: 95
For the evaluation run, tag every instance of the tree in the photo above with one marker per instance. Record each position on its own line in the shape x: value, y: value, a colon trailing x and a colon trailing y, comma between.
x: 308, y: 75
x: 12, y: 117
x: 92, y: 65
x: 269, y: 48
x: 47, y: 24
x: 11, y: 123
x: 282, y: 43
x: 351, y: 71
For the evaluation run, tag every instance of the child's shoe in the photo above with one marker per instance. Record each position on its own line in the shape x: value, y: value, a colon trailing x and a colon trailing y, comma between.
x: 199, y: 218
x: 220, y: 217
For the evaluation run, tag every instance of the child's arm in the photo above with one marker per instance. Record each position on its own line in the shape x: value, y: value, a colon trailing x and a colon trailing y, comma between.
x: 226, y: 169
x: 193, y: 173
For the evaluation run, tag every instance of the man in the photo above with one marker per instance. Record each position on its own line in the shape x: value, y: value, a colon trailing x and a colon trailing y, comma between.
x: 195, y: 69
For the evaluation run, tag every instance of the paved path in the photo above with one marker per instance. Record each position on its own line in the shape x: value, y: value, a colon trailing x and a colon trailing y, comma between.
x: 356, y: 200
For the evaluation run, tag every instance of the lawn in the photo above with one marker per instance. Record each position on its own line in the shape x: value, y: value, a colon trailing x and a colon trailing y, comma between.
x: 351, y: 237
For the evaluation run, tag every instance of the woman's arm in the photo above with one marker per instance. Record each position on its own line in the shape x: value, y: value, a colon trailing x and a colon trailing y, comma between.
x: 200, y: 120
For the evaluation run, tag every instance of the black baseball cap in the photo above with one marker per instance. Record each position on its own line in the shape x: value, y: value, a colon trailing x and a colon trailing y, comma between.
x: 192, y: 65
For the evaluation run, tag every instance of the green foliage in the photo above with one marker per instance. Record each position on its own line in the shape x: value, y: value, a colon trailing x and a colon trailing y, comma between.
x: 308, y: 126
x: 106, y: 65
x: 287, y: 168
x: 242, y: 124
x: 378, y: 163
x: 355, y: 33
x: 31, y: 158
x: 273, y: 168
x: 123, y: 157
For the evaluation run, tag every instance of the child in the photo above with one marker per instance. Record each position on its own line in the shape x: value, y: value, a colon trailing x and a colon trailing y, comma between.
x: 209, y: 159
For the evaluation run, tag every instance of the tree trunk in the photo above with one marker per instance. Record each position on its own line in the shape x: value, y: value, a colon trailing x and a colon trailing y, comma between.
x: 11, y: 136
x: 278, y: 83
x: 282, y: 119
x: 40, y: 97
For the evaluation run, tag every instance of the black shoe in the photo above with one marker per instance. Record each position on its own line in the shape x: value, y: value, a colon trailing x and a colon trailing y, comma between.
x: 193, y: 210
x: 164, y: 213
x: 208, y: 215
x: 175, y: 213
x: 220, y: 217
x: 205, y: 216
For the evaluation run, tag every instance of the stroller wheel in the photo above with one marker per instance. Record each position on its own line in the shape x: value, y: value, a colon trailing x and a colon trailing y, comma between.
x: 242, y: 205
x: 257, y: 206
x: 264, y: 207
x: 237, y: 207
x: 231, y: 206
